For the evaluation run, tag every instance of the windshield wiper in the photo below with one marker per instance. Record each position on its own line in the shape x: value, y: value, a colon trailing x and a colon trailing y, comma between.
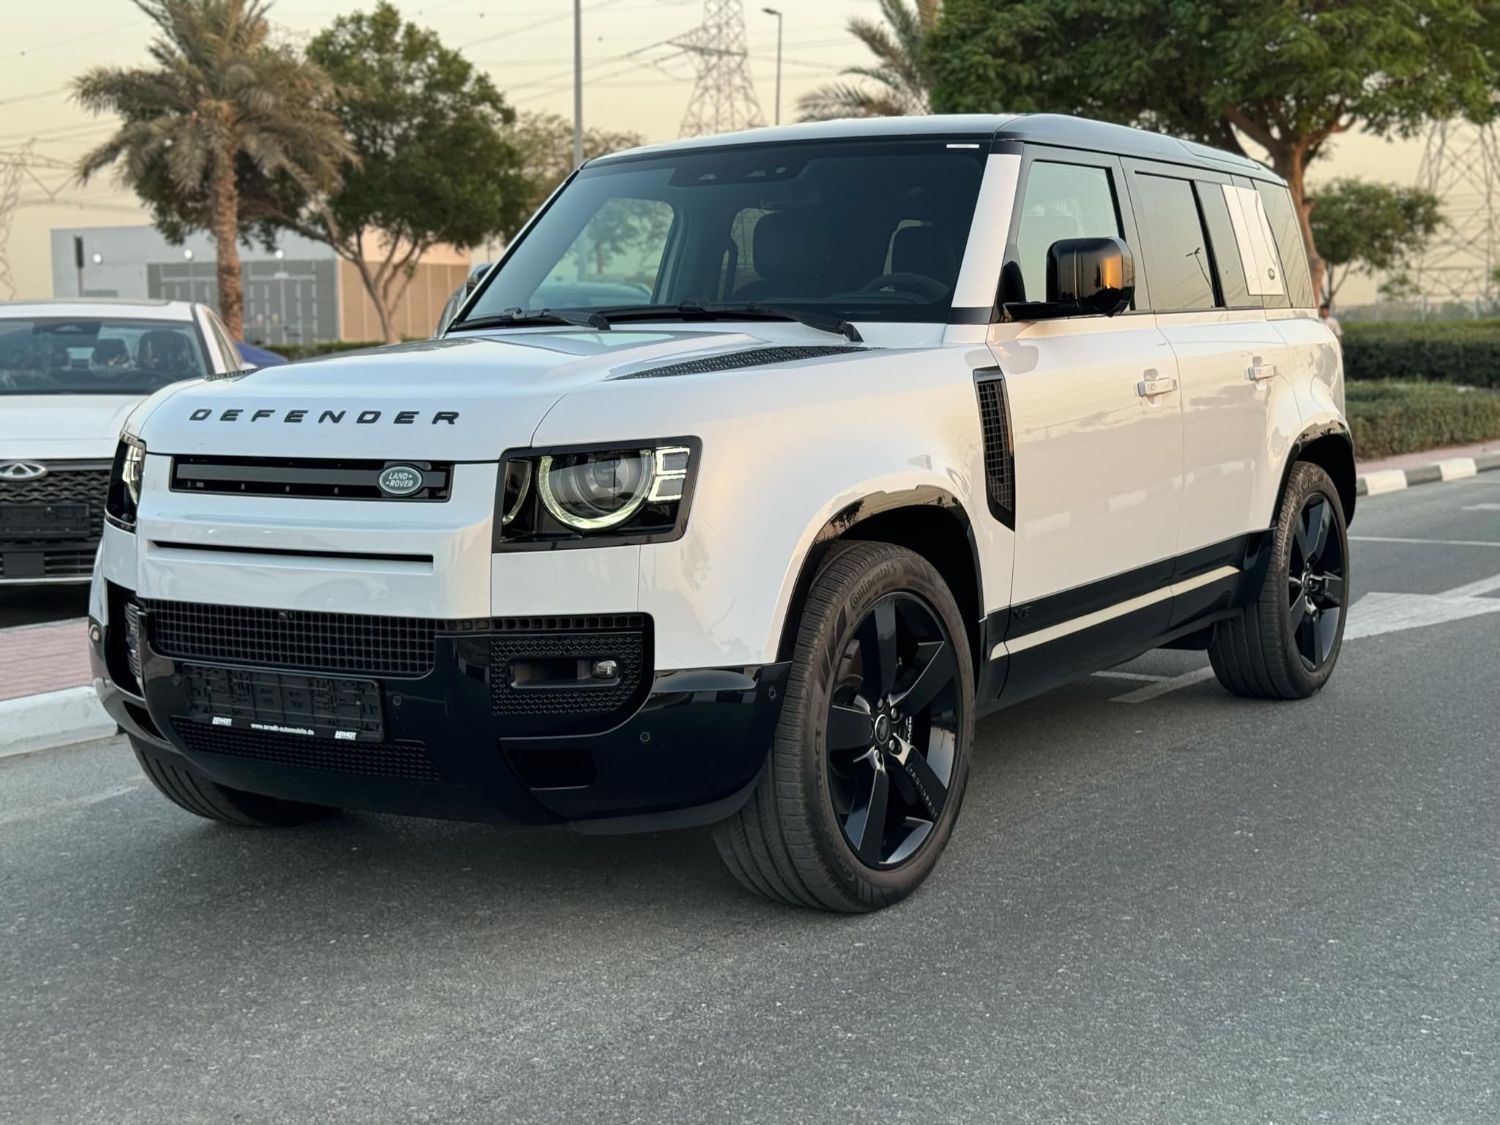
x: 749, y: 310
x: 524, y: 318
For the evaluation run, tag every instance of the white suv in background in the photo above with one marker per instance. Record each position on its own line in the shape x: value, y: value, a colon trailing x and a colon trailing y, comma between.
x: 70, y: 373
x: 756, y: 471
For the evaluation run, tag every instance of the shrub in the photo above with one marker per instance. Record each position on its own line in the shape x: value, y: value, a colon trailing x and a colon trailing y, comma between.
x: 1388, y: 418
x: 328, y: 347
x: 1450, y: 351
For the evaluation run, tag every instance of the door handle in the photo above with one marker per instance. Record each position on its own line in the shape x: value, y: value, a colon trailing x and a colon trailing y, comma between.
x: 1260, y: 370
x: 1154, y: 384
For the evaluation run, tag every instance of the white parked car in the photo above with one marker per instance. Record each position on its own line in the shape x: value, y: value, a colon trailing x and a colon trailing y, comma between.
x: 897, y: 422
x: 70, y: 373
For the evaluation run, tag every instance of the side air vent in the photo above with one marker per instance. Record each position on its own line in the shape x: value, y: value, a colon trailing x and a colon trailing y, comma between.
x: 999, y: 455
x: 750, y: 357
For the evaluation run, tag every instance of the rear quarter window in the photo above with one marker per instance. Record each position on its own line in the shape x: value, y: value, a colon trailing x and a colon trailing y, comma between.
x: 1289, y: 244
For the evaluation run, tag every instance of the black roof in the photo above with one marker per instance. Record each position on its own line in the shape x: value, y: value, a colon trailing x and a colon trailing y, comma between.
x: 1036, y: 128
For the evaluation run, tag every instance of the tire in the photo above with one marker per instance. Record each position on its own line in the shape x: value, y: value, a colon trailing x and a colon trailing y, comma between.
x: 1285, y: 643
x: 186, y: 788
x: 810, y: 835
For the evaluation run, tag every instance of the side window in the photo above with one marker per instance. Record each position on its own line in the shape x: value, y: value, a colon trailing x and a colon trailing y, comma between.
x: 1229, y: 267
x: 614, y: 260
x: 1172, y: 239
x: 1061, y: 201
x: 1288, y: 234
x: 1252, y: 233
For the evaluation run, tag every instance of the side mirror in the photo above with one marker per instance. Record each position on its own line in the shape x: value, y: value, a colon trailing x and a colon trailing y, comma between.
x: 1095, y: 275
x: 1085, y: 277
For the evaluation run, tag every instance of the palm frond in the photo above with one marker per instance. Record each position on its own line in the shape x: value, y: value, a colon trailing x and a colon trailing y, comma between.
x: 898, y: 76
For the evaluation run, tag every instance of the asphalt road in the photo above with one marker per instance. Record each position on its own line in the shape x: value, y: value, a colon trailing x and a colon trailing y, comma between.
x: 1185, y: 908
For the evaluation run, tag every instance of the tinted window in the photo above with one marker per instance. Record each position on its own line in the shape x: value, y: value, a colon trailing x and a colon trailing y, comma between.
x: 1061, y: 201
x: 1177, y: 262
x: 1288, y: 234
x: 1229, y: 266
x: 88, y: 355
x: 866, y: 230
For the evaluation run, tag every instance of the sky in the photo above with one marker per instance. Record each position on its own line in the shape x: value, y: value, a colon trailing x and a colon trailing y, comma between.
x: 631, y: 84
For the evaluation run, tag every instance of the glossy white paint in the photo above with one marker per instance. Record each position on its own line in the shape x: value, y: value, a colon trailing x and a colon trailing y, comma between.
x: 1136, y: 438
x: 1098, y: 464
x: 1237, y: 406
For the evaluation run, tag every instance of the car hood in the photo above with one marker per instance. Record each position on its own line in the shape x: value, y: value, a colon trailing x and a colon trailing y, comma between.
x: 462, y: 398
x: 62, y: 427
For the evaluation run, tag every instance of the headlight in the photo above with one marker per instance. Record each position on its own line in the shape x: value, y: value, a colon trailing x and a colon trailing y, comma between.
x: 636, y: 492
x: 124, y: 495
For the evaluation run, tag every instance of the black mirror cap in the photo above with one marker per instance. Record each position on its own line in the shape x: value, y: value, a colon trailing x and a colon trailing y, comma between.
x: 1092, y: 275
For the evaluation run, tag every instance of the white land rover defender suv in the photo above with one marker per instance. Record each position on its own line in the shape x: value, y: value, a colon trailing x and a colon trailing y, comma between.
x: 757, y: 470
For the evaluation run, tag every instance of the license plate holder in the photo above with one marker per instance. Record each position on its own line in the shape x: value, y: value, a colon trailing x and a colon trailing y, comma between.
x: 284, y: 703
x: 44, y: 521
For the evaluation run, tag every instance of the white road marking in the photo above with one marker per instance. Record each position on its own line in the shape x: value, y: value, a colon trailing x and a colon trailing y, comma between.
x: 1112, y: 674
x: 1425, y: 542
x: 68, y: 805
x: 1155, y: 691
x: 1482, y: 507
x: 1370, y: 616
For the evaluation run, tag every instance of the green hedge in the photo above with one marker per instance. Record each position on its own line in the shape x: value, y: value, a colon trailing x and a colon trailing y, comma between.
x: 1449, y: 351
x: 1390, y: 417
x: 307, y: 351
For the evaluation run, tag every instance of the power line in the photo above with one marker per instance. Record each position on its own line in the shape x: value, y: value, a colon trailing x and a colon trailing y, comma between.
x: 723, y: 96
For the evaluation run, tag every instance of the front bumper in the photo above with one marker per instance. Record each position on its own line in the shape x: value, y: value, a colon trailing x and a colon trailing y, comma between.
x: 453, y: 735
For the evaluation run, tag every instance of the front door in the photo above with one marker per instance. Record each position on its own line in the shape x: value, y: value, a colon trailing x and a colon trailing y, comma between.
x: 1096, y: 418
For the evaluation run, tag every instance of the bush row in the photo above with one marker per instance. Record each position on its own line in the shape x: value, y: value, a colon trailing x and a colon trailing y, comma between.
x: 1388, y: 418
x: 1451, y: 351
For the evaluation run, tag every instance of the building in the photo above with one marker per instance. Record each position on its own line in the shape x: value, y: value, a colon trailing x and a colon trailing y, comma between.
x: 300, y: 293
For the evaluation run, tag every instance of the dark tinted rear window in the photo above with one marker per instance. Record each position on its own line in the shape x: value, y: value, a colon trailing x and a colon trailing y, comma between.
x: 1288, y: 234
x: 1177, y: 262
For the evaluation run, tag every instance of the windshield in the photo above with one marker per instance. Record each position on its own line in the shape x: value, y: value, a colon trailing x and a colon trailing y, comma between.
x: 863, y: 230
x: 88, y: 355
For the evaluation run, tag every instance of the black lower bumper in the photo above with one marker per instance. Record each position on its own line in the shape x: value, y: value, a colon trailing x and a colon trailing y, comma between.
x: 682, y: 750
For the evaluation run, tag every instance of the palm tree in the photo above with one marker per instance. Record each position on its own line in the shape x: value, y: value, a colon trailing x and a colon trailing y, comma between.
x: 221, y: 99
x: 899, y: 75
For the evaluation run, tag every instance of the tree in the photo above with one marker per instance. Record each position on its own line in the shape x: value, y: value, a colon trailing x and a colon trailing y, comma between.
x: 545, y: 144
x: 900, y: 72
x: 221, y: 100
x: 434, y: 163
x: 1370, y: 227
x: 1286, y: 76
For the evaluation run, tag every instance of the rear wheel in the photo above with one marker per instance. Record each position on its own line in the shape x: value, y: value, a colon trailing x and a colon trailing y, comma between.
x: 191, y: 790
x: 1284, y: 645
x: 871, y: 755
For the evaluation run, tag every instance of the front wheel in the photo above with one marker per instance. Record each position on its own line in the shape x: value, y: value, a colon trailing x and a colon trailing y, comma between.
x: 867, y: 770
x: 1284, y: 644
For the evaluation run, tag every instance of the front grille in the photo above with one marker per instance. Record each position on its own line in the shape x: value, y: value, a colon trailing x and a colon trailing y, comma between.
x: 623, y: 638
x: 749, y: 357
x: 398, y: 761
x: 999, y: 457
x: 344, y: 643
x: 65, y: 483
x: 309, y: 478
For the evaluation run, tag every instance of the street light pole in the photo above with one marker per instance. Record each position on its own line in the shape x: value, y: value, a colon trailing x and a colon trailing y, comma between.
x: 577, y: 83
x: 777, y: 14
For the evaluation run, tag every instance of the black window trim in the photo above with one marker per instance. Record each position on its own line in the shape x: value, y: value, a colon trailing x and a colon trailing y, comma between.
x: 1114, y: 168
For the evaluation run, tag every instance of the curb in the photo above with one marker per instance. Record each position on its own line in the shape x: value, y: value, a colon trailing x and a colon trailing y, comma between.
x: 1394, y: 480
x: 57, y: 718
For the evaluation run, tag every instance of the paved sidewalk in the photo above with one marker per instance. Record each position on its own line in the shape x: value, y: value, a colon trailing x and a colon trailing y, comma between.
x: 1427, y: 457
x: 43, y: 658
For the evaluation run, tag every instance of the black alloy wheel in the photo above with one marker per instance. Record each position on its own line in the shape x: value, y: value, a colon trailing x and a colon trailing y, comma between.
x: 1316, y: 582
x: 893, y: 730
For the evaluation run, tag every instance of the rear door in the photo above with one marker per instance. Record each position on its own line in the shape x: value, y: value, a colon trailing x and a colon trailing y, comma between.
x: 1212, y: 269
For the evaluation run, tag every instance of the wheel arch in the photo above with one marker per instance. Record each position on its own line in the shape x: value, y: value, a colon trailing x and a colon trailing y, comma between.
x: 1330, y: 446
x: 926, y: 520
